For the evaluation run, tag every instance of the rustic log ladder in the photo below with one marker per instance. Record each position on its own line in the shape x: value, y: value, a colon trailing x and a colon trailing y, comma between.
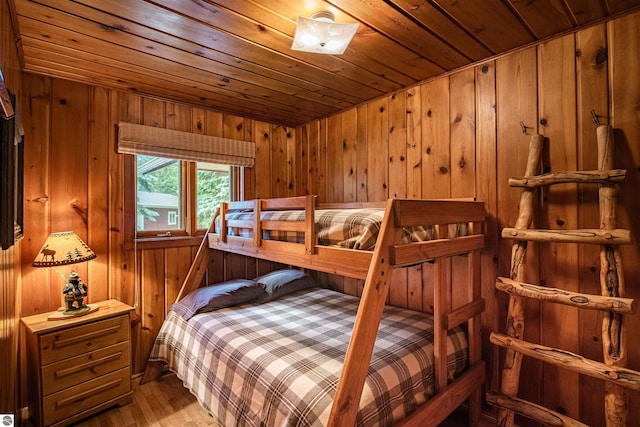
x: 611, y: 300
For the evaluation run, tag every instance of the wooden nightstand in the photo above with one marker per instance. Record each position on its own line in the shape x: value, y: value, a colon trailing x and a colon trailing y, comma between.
x: 79, y: 366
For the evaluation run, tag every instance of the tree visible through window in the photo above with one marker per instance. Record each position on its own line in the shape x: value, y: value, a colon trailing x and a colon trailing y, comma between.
x: 163, y: 188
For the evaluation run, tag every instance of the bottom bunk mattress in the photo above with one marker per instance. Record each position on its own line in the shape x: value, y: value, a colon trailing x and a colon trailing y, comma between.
x: 279, y: 363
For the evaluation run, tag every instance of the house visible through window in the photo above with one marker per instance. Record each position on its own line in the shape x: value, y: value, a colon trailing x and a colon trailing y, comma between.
x: 163, y: 188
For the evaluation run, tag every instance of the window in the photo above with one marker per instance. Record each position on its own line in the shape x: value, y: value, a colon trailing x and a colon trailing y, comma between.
x: 163, y: 189
x: 173, y: 218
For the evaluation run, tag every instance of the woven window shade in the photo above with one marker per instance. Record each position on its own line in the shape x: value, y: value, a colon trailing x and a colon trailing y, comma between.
x: 159, y: 142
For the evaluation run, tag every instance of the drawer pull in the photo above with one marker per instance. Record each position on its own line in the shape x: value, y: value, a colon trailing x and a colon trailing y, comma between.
x: 85, y: 337
x: 87, y: 365
x: 78, y: 398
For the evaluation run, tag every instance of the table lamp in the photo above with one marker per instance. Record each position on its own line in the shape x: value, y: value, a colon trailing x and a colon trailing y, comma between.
x: 67, y: 248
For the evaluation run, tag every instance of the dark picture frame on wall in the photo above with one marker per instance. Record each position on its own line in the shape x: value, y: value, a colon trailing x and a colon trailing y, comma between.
x: 11, y: 171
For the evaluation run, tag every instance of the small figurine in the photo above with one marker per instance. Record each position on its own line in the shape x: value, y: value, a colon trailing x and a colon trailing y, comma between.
x: 74, y: 291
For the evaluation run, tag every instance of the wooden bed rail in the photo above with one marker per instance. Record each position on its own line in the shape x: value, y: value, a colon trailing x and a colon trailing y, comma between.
x: 399, y: 214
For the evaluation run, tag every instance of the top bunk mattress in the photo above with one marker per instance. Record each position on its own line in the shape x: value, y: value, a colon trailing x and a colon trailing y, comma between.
x: 345, y: 228
x: 279, y: 363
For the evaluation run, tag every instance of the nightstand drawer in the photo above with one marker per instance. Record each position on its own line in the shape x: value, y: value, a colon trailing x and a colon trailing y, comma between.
x: 64, y: 404
x: 82, y: 339
x: 79, y: 369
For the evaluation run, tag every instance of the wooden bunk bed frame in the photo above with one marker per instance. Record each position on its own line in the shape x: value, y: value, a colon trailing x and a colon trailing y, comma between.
x: 375, y: 268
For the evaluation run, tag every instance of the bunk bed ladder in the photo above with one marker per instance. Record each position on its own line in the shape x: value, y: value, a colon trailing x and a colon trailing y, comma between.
x: 611, y: 301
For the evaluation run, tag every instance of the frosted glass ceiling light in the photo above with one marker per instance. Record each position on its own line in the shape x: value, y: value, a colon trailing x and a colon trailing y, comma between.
x: 321, y: 34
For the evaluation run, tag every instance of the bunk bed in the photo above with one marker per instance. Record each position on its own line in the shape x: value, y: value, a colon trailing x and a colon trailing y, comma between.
x: 409, y: 232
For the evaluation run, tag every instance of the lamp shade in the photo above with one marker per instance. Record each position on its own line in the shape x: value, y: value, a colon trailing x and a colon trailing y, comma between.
x: 62, y: 249
x: 321, y: 34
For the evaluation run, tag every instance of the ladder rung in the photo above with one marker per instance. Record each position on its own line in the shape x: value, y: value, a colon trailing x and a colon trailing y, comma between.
x: 582, y: 177
x: 620, y: 376
x: 591, y: 236
x: 561, y: 296
x: 532, y: 410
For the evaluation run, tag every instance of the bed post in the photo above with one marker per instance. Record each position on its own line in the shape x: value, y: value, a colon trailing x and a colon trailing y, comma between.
x: 354, y: 371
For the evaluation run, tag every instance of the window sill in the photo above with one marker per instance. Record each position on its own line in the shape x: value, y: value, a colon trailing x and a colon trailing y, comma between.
x: 163, y: 242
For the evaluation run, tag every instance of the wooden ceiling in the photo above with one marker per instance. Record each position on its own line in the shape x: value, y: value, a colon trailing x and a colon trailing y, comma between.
x: 235, y: 56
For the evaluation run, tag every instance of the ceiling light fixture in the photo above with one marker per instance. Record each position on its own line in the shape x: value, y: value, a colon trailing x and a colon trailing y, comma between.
x: 321, y: 34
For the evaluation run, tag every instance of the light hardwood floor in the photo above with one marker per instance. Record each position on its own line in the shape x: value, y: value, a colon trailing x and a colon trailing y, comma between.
x: 166, y: 403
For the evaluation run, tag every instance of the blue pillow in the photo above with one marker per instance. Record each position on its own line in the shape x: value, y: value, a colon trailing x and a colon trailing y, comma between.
x: 219, y: 295
x: 282, y: 282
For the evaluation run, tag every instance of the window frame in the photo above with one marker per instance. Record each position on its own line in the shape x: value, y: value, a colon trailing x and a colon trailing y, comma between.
x: 188, y: 170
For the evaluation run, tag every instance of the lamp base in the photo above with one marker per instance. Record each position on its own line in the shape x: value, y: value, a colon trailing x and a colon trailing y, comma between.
x: 62, y: 313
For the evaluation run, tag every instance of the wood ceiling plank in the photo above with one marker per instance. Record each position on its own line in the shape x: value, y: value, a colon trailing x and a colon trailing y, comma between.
x: 159, y: 67
x: 65, y: 67
x: 441, y: 25
x: 388, y: 21
x: 544, y: 17
x: 274, y: 46
x: 491, y: 21
x: 122, y: 32
x: 58, y: 39
x: 367, y: 45
x: 616, y: 6
x: 277, y: 22
x: 585, y: 11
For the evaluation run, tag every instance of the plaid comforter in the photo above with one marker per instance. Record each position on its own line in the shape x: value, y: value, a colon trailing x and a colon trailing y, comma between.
x: 278, y: 363
x: 346, y: 228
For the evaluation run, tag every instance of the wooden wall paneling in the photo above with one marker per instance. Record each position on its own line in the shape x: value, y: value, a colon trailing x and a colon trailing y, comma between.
x: 486, y: 192
x: 350, y: 154
x: 124, y: 266
x: 559, y: 266
x: 414, y: 143
x: 397, y: 164
x: 279, y: 161
x: 262, y: 168
x: 624, y: 60
x: 302, y: 165
x: 124, y: 107
x: 321, y: 141
x: 516, y: 100
x: 462, y: 116
x: 178, y: 117
x: 36, y: 115
x: 235, y: 266
x: 378, y: 149
x: 350, y: 285
x: 291, y: 162
x: 414, y: 183
x: 362, y: 149
x: 436, y: 166
x: 177, y: 262
x: 98, y: 183
x: 335, y: 174
x: 398, y: 145
x: 152, y: 265
x: 215, y: 269
x: 593, y: 95
x: 234, y: 127
x: 313, y: 135
x: 436, y: 181
x: 69, y: 152
x: 153, y: 112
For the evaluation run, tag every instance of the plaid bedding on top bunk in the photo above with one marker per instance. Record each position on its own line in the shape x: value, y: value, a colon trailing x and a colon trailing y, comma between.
x: 278, y: 363
x: 346, y: 228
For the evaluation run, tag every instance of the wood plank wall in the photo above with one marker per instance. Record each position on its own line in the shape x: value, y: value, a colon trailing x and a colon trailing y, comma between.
x: 462, y: 136
x: 10, y: 282
x: 456, y: 136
